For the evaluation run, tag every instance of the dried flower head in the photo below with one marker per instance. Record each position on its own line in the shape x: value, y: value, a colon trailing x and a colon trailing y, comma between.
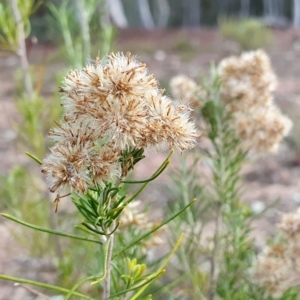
x: 262, y: 128
x: 290, y: 225
x: 186, y: 90
x: 77, y: 167
x: 111, y: 106
x: 133, y: 215
x: 169, y: 125
x: 247, y: 86
x: 80, y: 132
x: 120, y: 97
x: 66, y: 168
x: 278, y: 267
x: 247, y: 80
x: 273, y: 270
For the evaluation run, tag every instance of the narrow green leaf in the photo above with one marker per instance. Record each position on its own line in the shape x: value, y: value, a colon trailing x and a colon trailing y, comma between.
x: 72, y: 236
x: 72, y: 291
x: 166, y: 162
x: 147, y: 282
x: 92, y: 229
x: 34, y: 158
x: 154, y: 229
x: 43, y: 285
x: 149, y: 179
x: 115, y: 210
x: 161, y: 269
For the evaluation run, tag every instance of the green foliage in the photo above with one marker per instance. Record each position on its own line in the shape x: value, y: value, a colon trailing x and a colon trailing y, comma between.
x: 249, y: 34
x: 192, y: 280
x: 100, y: 208
x: 37, y: 120
x: 75, y: 24
x: 10, y: 195
x: 8, y: 27
x: 8, y: 31
x: 184, y: 47
x: 28, y: 205
x: 216, y: 266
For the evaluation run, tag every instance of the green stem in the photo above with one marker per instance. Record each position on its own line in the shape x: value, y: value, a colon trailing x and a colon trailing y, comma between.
x: 22, y: 48
x: 221, y: 160
x: 161, y: 269
x: 72, y: 236
x: 191, y: 273
x: 34, y: 158
x: 106, y: 290
x: 72, y: 291
x: 149, y: 179
x: 43, y: 285
x: 214, y: 272
x: 154, y: 229
x: 85, y: 30
x: 147, y: 282
x: 185, y: 191
x: 158, y: 171
x: 93, y: 277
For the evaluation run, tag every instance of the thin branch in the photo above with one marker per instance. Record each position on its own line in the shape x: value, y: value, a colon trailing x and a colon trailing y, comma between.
x: 214, y: 272
x: 106, y: 291
x: 85, y: 31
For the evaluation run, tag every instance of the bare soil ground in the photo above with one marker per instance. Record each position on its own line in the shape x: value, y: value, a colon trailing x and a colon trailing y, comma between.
x: 168, y: 53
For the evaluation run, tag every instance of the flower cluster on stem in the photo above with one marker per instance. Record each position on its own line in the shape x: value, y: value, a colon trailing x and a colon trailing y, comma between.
x: 111, y: 107
x: 278, y: 266
x: 247, y: 86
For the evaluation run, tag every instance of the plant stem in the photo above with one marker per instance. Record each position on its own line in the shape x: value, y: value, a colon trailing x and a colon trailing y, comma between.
x: 22, y: 48
x: 220, y: 163
x: 106, y: 291
x: 214, y: 260
x: 85, y: 31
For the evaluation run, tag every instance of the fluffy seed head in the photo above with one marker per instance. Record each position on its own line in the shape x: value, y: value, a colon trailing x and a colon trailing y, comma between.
x: 247, y: 80
x: 66, y: 169
x: 111, y: 106
x: 273, y: 273
x: 262, y: 128
x: 278, y: 267
x: 120, y: 96
x: 247, y: 86
x: 290, y: 225
x: 170, y: 125
x: 186, y: 90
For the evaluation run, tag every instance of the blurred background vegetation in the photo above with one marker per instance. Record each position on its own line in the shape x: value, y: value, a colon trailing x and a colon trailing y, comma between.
x: 179, y: 13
